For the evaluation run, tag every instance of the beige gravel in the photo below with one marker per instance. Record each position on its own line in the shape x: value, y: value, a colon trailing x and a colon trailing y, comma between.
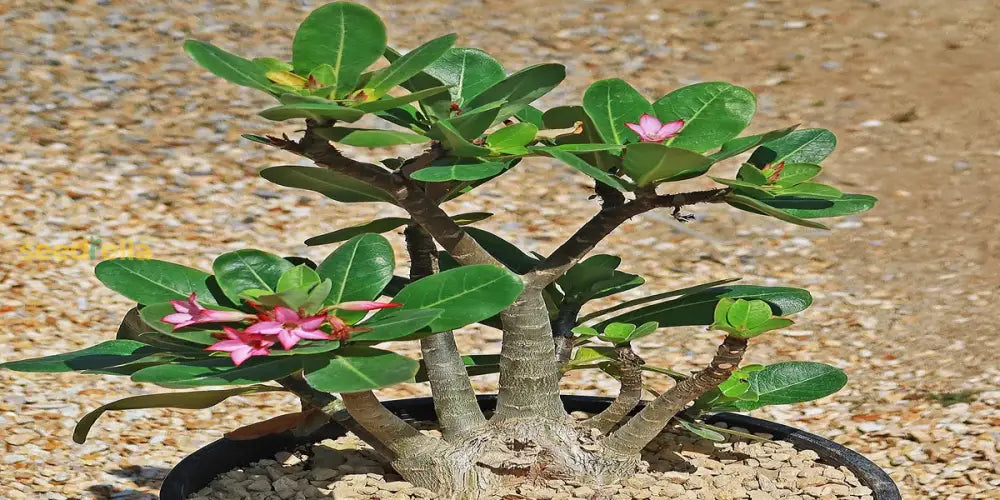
x: 108, y: 130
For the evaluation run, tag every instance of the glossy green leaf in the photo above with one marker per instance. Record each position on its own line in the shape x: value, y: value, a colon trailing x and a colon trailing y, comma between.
x: 655, y: 297
x: 513, y: 136
x: 792, y: 382
x: 644, y: 330
x: 813, y: 208
x: 393, y: 324
x: 470, y: 217
x: 106, y: 354
x: 388, y: 103
x: 749, y: 173
x: 409, y: 64
x: 699, y: 308
x: 649, y: 162
x: 532, y: 115
x: 802, y: 146
x: 460, y: 172
x: 248, y: 270
x: 617, y: 332
x: 316, y: 297
x: 336, y: 186
x: 811, y: 190
x: 370, y: 138
x: 219, y: 371
x: 466, y: 294
x: 758, y: 206
x: 564, y: 117
x: 272, y: 64
x: 586, y: 168
x: 468, y: 71
x: 437, y: 105
x: 376, y: 226
x: 611, y: 104
x: 299, y: 277
x: 149, y: 280
x: 320, y: 111
x: 797, y: 173
x: 740, y: 145
x: 700, y: 430
x: 520, y: 89
x: 359, y: 269
x: 473, y: 123
x: 229, y: 66
x: 347, y: 36
x: 355, y: 369
x: 186, y: 400
x: 586, y: 148
x: 713, y: 113
x: 453, y: 141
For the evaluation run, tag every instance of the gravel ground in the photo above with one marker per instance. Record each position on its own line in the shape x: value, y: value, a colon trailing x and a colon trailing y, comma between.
x: 681, y: 467
x: 109, y: 131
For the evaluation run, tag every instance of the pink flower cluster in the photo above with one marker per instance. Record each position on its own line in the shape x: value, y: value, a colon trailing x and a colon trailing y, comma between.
x: 280, y: 324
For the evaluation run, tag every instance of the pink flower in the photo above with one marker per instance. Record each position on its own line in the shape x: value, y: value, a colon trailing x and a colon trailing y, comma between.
x: 190, y: 312
x: 364, y: 305
x: 242, y: 345
x: 290, y: 327
x: 651, y: 129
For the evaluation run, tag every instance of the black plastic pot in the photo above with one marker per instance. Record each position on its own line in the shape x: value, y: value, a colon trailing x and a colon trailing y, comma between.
x: 201, y: 467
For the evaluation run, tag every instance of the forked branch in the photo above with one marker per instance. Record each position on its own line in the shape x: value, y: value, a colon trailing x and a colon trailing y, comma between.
x: 642, y: 428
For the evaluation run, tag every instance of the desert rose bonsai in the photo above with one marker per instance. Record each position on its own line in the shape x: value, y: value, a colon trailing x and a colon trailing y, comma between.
x: 261, y: 322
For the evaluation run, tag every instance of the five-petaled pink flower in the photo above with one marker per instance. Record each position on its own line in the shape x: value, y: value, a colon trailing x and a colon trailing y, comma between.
x: 651, y: 129
x: 242, y: 345
x: 290, y: 327
x: 190, y: 312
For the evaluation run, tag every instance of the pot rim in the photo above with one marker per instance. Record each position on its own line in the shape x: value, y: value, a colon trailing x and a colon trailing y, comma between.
x: 198, y: 469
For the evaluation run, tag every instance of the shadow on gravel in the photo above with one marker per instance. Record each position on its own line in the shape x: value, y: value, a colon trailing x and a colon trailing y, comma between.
x: 149, y: 478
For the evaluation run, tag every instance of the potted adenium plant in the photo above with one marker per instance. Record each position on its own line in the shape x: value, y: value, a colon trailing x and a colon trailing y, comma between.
x: 261, y: 322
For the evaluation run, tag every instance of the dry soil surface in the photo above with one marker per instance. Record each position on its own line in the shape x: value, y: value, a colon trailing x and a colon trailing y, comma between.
x: 108, y: 130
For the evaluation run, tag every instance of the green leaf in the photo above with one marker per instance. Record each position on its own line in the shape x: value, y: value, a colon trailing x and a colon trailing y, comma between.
x: 320, y: 111
x: 650, y: 298
x: 377, y: 226
x: 713, y: 113
x: 792, y: 382
x: 347, y: 36
x: 796, y: 173
x: 586, y: 148
x: 513, y: 136
x: 219, y: 371
x: 588, y: 169
x: 757, y: 206
x: 272, y: 64
x: 749, y: 173
x: 617, y: 332
x: 453, y: 141
x: 248, y: 269
x: 520, y: 89
x: 409, y: 64
x: 333, y: 185
x: 319, y: 293
x: 466, y: 294
x: 354, y: 369
x: 470, y: 218
x: 742, y: 144
x: 468, y: 71
x: 150, y: 280
x: 699, y: 308
x: 587, y: 279
x: 700, y: 431
x: 811, y: 190
x: 460, y: 172
x: 186, y: 400
x: 438, y: 105
x: 300, y: 277
x: 471, y: 124
x: 392, y: 325
x: 644, y: 330
x: 229, y: 66
x: 585, y: 331
x: 587, y: 355
x: 396, y: 102
x: 611, y: 104
x: 802, y: 146
x: 359, y: 269
x: 649, y: 162
x: 370, y: 138
x: 564, y: 117
x: 104, y: 355
x: 530, y: 114
x: 813, y: 208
